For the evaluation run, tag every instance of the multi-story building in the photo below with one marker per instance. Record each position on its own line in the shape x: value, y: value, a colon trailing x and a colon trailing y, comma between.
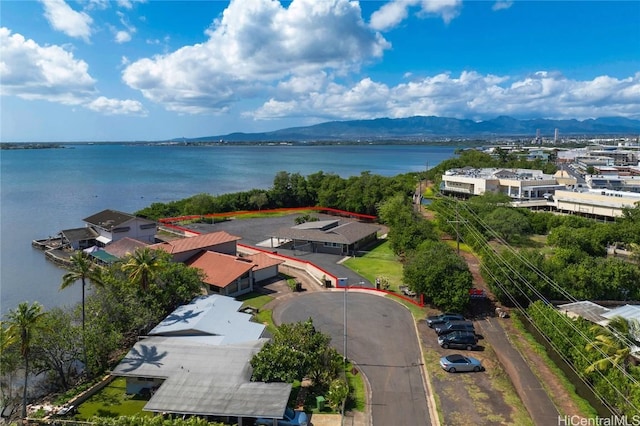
x: 519, y: 184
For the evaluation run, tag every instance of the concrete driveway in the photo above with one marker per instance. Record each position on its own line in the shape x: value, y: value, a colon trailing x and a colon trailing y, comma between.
x: 381, y: 340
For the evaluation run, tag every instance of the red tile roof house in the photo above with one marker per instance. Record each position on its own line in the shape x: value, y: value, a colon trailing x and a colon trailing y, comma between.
x: 215, y: 254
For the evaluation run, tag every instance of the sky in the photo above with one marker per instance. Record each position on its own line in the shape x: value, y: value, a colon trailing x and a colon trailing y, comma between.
x: 134, y: 70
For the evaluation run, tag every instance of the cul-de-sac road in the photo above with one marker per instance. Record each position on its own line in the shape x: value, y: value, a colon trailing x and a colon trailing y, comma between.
x: 381, y: 340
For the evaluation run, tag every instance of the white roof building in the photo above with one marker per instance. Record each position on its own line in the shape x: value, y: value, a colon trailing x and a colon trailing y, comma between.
x: 197, y: 362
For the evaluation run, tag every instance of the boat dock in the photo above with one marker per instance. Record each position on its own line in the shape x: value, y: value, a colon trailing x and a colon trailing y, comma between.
x: 47, y: 243
x: 54, y: 250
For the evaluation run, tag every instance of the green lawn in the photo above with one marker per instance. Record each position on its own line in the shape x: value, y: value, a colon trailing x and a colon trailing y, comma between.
x: 379, y: 262
x: 112, y: 401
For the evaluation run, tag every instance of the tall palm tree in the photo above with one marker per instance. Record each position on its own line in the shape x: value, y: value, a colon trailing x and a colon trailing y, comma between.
x: 81, y: 269
x: 142, y: 266
x: 23, y: 322
x: 614, y: 342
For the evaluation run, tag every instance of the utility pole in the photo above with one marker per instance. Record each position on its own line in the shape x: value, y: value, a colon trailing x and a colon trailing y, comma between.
x: 457, y: 222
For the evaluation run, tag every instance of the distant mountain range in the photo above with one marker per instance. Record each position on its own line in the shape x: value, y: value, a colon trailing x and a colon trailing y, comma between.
x: 429, y: 128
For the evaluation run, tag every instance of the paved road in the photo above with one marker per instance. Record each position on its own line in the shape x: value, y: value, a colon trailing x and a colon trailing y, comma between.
x: 529, y: 388
x: 381, y: 339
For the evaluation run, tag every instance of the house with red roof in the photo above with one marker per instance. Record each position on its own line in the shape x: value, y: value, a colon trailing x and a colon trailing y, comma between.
x: 183, y: 249
x: 215, y: 254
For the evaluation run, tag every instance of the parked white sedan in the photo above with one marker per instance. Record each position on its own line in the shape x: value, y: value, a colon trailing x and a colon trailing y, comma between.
x: 457, y: 362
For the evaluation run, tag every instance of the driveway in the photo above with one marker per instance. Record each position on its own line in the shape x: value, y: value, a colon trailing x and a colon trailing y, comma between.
x: 380, y: 339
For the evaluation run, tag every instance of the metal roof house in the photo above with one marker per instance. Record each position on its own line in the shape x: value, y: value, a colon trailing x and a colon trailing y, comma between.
x: 196, y: 361
x: 214, y: 319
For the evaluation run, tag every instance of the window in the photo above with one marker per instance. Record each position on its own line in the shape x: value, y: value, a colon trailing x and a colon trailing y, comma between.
x: 335, y: 245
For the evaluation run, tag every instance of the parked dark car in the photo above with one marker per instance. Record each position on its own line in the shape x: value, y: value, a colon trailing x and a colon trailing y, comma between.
x: 450, y: 326
x: 459, y: 339
x: 442, y: 318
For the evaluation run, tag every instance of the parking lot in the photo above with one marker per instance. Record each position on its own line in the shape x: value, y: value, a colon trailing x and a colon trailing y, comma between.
x: 483, y: 398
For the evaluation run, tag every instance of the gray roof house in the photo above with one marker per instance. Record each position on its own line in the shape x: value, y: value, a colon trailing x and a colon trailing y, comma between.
x: 335, y: 236
x: 197, y: 361
x: 113, y: 225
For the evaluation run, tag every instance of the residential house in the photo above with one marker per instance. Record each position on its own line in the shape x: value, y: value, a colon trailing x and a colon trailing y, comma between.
x: 183, y: 249
x: 197, y: 362
x: 223, y: 273
x: 335, y: 236
x: 112, y: 225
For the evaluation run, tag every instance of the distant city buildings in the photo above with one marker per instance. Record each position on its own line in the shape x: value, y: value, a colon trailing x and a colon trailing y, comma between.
x: 598, y: 181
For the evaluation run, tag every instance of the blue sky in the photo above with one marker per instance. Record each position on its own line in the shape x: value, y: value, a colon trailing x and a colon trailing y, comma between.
x: 97, y: 70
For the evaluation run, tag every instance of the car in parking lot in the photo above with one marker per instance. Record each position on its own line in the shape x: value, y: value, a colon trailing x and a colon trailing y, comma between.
x: 291, y: 418
x: 442, y: 318
x: 457, y: 362
x: 450, y: 326
x: 459, y: 339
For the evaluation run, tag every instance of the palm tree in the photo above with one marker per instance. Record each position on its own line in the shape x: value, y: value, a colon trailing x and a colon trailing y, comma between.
x: 82, y: 269
x: 23, y: 322
x: 142, y: 266
x: 614, y: 342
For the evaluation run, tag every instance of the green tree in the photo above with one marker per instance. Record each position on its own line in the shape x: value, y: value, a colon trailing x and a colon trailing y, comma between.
x: 406, y: 229
x: 199, y: 204
x: 259, y: 199
x: 81, y: 269
x: 614, y: 343
x: 295, y: 351
x: 435, y: 270
x: 9, y: 366
x: 143, y: 265
x: 24, y: 322
x: 508, y: 223
x: 58, y: 347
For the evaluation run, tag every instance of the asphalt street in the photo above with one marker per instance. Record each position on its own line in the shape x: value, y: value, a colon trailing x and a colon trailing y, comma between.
x: 380, y: 339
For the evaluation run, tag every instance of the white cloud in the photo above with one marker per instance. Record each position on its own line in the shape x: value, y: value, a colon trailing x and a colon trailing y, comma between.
x: 502, y: 5
x: 63, y: 18
x: 126, y: 4
x: 470, y: 95
x: 31, y: 71
x: 253, y: 46
x: 447, y: 9
x: 298, y: 61
x: 393, y: 13
x: 116, y: 106
x: 122, y: 37
x: 51, y: 73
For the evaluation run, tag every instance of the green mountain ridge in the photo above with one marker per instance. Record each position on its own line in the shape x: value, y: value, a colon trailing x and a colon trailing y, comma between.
x: 431, y: 127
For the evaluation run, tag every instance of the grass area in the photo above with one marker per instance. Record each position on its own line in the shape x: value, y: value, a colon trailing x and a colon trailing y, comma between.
x: 379, y: 262
x: 463, y: 247
x: 357, y: 398
x: 267, y: 213
x: 257, y: 301
x: 112, y: 401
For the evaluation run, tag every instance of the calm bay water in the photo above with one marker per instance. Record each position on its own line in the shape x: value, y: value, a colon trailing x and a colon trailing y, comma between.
x: 45, y: 191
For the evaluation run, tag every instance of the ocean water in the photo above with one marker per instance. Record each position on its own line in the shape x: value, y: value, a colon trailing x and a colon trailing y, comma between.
x: 47, y: 190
